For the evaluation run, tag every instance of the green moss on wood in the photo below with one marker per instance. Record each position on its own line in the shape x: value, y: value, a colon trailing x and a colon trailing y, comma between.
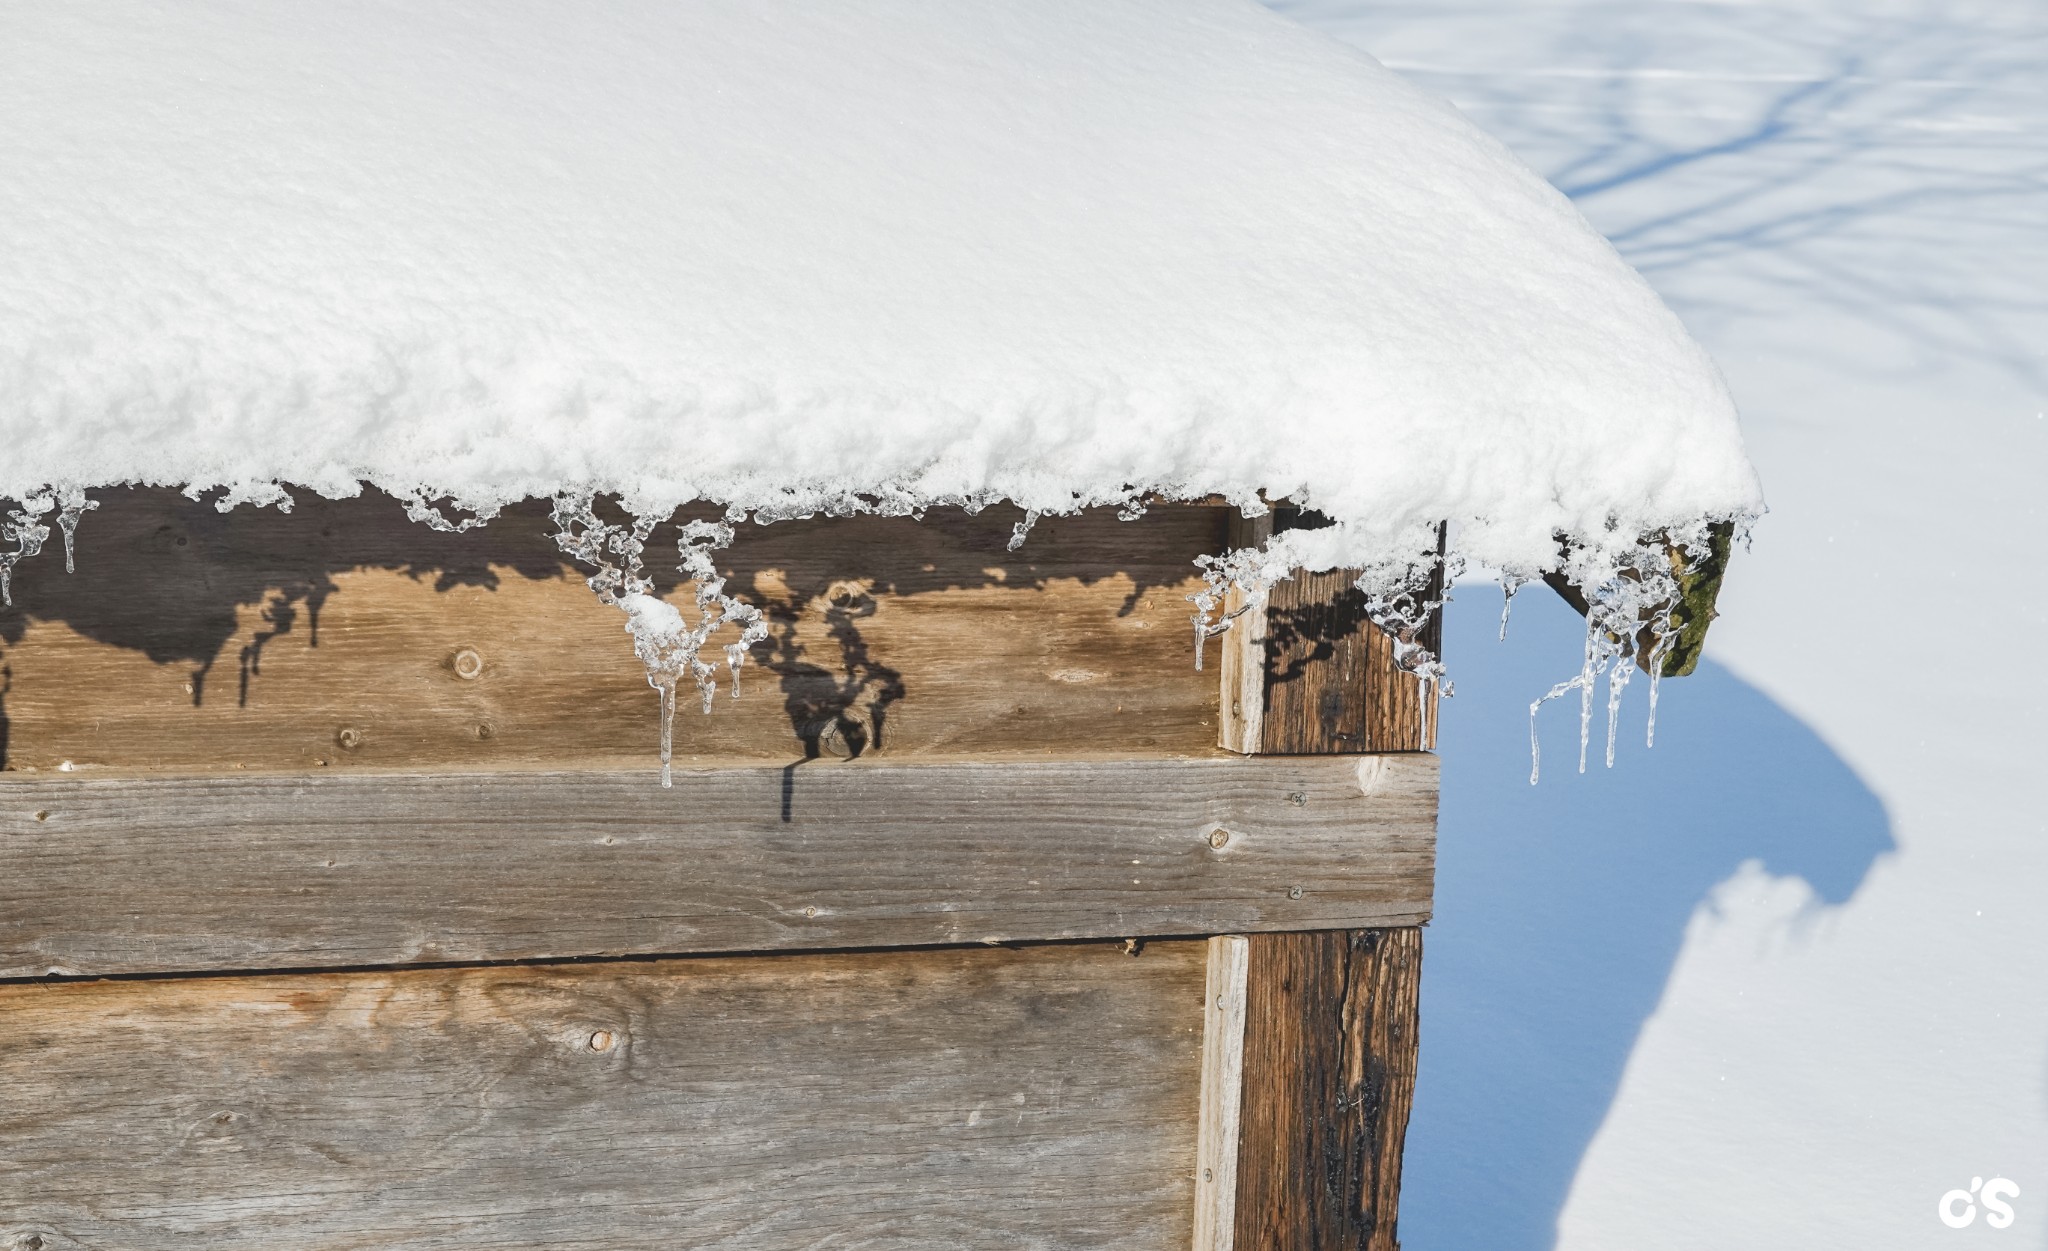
x: 1699, y: 585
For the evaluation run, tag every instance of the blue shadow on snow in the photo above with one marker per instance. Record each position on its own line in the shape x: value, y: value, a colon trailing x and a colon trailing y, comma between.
x: 1561, y: 907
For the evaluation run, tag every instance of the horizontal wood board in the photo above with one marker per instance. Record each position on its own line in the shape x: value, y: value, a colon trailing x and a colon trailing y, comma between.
x: 342, y: 635
x: 1036, y: 1098
x: 247, y: 871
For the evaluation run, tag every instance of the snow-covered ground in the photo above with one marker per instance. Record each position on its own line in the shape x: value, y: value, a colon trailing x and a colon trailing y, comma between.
x: 1782, y: 981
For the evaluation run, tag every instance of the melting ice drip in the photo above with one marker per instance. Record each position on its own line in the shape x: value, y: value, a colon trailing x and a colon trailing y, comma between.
x: 25, y: 528
x: 1509, y: 584
x: 667, y: 644
x: 1402, y: 597
x: 1631, y: 607
x: 1250, y: 571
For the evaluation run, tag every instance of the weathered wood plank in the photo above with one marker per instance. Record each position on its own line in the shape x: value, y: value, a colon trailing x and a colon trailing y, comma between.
x: 1330, y: 1047
x: 225, y: 872
x: 342, y: 635
x: 1037, y: 1098
x: 1223, y: 1020
x: 1307, y: 671
x: 1241, y: 653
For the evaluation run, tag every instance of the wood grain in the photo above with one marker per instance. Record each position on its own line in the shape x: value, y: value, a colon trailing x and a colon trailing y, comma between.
x: 342, y: 635
x: 1306, y: 671
x: 1037, y: 1098
x: 250, y: 871
x: 1216, y: 1143
x: 1330, y: 1047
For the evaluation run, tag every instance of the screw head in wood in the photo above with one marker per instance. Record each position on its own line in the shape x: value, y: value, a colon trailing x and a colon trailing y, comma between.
x: 348, y: 738
x: 602, y: 1040
x: 1294, y: 892
x: 467, y: 663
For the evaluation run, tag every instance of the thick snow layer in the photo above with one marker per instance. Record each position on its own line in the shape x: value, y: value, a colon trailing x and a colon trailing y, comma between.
x: 773, y: 256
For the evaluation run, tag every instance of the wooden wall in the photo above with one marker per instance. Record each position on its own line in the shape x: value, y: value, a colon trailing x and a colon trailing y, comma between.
x: 408, y: 948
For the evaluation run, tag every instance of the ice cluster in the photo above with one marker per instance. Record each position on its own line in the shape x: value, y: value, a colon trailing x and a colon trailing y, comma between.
x: 1632, y: 591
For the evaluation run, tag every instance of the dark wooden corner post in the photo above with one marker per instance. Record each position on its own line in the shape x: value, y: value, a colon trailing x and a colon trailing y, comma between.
x: 1327, y: 1033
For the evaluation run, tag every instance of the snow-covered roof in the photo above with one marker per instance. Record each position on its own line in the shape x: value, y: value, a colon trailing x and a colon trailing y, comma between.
x: 782, y: 256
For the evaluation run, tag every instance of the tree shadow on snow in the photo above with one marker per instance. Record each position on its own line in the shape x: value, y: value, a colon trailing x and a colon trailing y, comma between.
x: 1831, y: 167
x: 1561, y: 907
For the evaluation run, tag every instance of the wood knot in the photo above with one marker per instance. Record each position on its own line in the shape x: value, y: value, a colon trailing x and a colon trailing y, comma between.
x: 1218, y: 837
x: 468, y: 664
x: 602, y: 1040
x: 842, y: 736
x: 847, y: 601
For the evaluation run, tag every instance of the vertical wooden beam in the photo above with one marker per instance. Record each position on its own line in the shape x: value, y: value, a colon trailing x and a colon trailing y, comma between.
x: 1330, y: 1017
x: 1307, y: 672
x: 1329, y: 1076
x: 1222, y: 1095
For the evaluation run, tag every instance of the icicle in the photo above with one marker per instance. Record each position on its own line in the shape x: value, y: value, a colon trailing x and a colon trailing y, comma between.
x: 1249, y: 570
x: 71, y: 503
x: 1585, y: 721
x: 1584, y: 681
x: 1402, y: 598
x: 1023, y: 528
x: 26, y: 532
x: 669, y: 646
x: 1617, y: 681
x: 1509, y: 584
x: 1631, y: 599
x: 668, y: 732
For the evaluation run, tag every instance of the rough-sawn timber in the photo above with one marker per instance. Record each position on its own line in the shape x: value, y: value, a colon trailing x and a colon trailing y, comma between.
x: 1033, y: 1100
x: 327, y: 870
